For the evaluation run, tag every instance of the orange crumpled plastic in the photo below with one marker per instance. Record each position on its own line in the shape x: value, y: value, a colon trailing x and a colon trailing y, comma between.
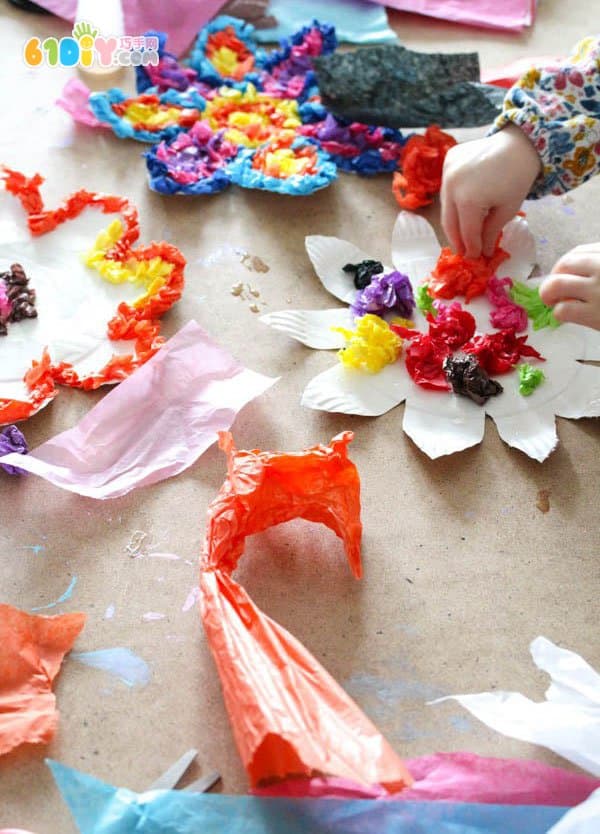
x: 289, y: 716
x: 32, y: 648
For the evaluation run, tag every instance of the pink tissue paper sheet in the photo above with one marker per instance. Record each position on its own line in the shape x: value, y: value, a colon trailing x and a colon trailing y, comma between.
x: 180, y: 19
x: 152, y: 425
x: 74, y: 99
x: 513, y: 15
x: 459, y: 777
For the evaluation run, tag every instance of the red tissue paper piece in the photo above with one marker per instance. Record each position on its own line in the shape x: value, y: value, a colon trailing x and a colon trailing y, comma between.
x: 421, y: 164
x: 32, y: 648
x: 498, y: 353
x: 455, y: 275
x: 289, y: 716
x: 452, y: 325
x: 424, y: 358
x: 424, y: 353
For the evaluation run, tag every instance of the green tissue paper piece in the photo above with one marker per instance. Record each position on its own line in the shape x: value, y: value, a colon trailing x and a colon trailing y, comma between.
x: 424, y: 300
x: 529, y: 379
x: 529, y: 299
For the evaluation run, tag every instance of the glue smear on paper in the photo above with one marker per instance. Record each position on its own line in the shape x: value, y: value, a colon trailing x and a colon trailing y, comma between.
x: 124, y: 664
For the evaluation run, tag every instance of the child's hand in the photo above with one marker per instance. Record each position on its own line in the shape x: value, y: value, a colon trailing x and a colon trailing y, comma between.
x: 573, y: 288
x: 483, y: 185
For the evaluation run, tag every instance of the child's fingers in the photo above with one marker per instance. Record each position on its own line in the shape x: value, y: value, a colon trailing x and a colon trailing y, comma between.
x: 578, y: 312
x: 450, y: 222
x: 494, y: 223
x: 560, y: 287
x: 577, y: 262
x: 471, y: 226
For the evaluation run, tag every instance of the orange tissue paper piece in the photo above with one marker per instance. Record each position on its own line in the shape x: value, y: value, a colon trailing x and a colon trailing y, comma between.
x: 32, y: 648
x: 455, y: 275
x: 421, y: 165
x: 289, y: 716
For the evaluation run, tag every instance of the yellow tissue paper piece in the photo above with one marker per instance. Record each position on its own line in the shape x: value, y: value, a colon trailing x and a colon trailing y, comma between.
x: 408, y: 323
x: 250, y: 117
x: 151, y: 115
x: 371, y: 346
x: 284, y: 162
x: 224, y: 60
x: 150, y: 273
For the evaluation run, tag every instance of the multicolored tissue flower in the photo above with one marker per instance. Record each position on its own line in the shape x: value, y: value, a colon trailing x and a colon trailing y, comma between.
x: 248, y: 98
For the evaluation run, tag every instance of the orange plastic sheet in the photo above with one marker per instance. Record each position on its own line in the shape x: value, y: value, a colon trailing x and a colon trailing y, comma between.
x: 289, y: 716
x: 32, y: 648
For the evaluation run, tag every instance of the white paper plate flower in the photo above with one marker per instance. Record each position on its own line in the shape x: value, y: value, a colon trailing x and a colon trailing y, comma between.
x: 98, y: 298
x: 441, y: 423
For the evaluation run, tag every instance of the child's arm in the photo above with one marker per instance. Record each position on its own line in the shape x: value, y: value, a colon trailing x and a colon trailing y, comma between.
x: 547, y: 140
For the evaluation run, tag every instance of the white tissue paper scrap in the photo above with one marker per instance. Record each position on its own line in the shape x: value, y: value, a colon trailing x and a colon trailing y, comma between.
x: 567, y: 722
x: 583, y: 819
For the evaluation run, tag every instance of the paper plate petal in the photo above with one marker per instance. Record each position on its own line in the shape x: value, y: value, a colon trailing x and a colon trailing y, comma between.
x: 312, y: 327
x: 583, y: 398
x: 328, y: 256
x: 352, y: 392
x: 460, y: 426
x: 415, y: 247
x: 532, y: 431
x: 518, y: 241
x: 592, y: 343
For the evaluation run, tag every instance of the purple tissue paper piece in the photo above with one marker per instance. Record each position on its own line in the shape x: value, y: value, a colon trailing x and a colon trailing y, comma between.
x: 391, y: 291
x: 12, y: 440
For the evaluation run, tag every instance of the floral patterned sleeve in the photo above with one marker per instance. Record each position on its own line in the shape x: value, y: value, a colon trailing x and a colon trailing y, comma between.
x: 559, y: 110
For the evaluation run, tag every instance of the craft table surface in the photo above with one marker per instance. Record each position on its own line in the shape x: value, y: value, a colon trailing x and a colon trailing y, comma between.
x: 462, y: 570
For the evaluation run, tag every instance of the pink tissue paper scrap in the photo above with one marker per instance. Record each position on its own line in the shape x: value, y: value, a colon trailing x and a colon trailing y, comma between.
x: 75, y: 100
x: 512, y: 15
x: 509, y: 74
x: 180, y: 19
x: 152, y: 425
x: 459, y: 777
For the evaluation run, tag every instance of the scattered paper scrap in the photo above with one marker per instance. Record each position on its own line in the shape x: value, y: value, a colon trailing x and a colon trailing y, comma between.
x: 152, y: 426
x: 12, y: 440
x: 33, y: 647
x: 124, y: 664
x: 567, y: 722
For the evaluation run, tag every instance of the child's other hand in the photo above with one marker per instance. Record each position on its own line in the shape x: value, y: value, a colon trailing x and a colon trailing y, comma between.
x: 573, y: 287
x: 483, y: 185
